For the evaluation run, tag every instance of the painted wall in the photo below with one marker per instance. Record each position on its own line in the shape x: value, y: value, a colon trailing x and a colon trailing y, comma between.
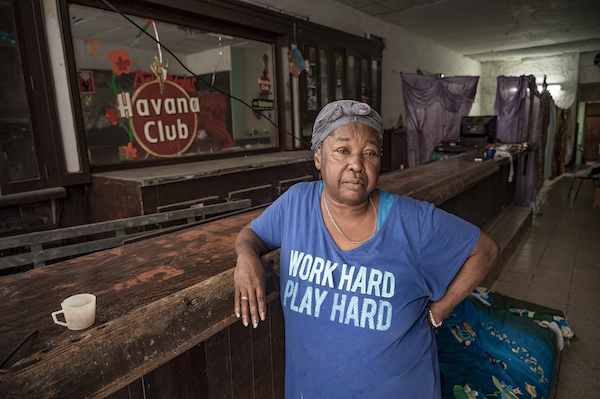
x: 404, y: 51
x: 588, y: 72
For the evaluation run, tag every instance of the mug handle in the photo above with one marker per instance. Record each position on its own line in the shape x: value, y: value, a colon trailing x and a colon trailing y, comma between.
x: 58, y: 321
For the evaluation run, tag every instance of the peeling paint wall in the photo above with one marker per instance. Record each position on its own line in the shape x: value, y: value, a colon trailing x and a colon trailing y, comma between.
x: 561, y: 69
x: 404, y: 51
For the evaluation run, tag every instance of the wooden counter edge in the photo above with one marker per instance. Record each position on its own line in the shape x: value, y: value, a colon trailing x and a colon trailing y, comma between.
x: 449, y: 186
x: 110, y: 356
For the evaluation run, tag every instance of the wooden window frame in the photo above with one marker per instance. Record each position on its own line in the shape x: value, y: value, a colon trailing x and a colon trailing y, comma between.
x: 234, y: 19
x: 334, y: 41
x: 33, y: 51
x: 377, y: 58
x: 338, y: 50
x: 307, y: 114
x: 356, y: 79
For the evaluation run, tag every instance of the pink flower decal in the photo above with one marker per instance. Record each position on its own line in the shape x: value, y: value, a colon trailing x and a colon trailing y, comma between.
x: 130, y: 152
x: 121, y: 61
x: 112, y: 116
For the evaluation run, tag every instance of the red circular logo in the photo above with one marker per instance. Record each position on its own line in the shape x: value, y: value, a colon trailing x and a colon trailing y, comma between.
x: 164, y: 124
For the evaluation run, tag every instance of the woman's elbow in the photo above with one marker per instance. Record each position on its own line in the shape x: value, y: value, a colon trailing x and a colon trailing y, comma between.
x: 490, y: 250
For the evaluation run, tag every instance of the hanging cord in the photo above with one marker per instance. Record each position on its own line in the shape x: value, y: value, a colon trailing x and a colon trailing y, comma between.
x: 212, y: 82
x: 157, y: 42
x: 196, y: 76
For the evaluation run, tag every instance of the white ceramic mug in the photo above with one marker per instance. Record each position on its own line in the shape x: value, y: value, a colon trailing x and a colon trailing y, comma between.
x: 79, y: 311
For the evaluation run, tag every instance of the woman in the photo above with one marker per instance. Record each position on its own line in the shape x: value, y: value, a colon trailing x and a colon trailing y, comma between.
x: 364, y: 274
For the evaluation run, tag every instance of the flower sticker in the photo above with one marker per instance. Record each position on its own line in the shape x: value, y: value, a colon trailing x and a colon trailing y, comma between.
x: 130, y: 152
x: 121, y: 61
x: 112, y: 116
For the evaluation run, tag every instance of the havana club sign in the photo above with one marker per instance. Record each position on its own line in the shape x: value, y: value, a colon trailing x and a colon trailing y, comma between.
x: 163, y: 124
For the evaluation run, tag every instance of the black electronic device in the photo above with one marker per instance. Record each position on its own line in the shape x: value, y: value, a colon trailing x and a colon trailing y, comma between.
x: 478, y: 130
x: 474, y: 140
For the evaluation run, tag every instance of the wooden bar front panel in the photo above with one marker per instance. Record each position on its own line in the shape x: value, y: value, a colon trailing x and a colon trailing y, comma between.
x: 160, y: 280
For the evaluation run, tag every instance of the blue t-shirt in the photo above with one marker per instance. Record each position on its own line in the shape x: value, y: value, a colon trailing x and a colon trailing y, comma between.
x: 355, y: 321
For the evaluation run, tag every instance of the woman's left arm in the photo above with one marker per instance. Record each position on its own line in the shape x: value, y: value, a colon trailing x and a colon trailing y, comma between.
x: 479, y: 262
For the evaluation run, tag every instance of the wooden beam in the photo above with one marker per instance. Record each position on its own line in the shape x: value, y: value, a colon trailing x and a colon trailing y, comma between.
x: 112, y: 225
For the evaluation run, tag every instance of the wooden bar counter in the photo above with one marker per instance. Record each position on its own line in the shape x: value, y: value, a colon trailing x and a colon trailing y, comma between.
x: 170, y: 299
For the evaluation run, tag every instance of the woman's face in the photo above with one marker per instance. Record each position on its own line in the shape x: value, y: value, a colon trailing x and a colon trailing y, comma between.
x: 349, y: 160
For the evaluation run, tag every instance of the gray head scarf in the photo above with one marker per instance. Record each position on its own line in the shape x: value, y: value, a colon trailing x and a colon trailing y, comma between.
x: 343, y: 112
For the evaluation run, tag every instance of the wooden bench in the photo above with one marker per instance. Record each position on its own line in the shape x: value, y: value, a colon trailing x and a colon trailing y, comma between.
x: 40, y: 247
x: 507, y: 229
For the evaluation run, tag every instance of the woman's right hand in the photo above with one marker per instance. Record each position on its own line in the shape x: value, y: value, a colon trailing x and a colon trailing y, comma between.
x: 249, y: 282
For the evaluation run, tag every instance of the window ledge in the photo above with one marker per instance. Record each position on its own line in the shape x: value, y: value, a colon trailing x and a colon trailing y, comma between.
x: 158, y: 175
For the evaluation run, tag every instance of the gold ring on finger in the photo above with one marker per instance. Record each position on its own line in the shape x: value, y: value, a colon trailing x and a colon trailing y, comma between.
x: 245, y: 298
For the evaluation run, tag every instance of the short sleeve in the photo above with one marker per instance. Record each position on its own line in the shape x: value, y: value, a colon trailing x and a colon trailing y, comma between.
x: 270, y: 225
x: 446, y: 242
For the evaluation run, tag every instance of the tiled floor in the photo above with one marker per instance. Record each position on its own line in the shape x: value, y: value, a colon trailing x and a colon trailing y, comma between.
x: 557, y: 264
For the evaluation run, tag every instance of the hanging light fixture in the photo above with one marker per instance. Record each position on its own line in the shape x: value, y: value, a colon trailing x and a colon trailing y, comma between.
x: 552, y: 88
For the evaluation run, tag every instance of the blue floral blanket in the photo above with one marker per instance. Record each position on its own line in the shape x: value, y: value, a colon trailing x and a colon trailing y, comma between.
x: 494, y: 346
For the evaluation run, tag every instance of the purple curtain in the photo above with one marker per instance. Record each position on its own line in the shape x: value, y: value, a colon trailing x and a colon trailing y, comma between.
x: 434, y: 108
x: 512, y: 107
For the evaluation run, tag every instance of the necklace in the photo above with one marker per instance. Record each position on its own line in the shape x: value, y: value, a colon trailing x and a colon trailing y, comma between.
x: 344, y: 235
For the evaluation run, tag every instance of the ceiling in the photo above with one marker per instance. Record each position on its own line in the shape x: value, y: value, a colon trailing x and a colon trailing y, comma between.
x: 483, y: 30
x: 487, y: 30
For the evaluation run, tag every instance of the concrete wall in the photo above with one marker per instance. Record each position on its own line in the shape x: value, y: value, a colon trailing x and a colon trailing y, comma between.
x: 588, y: 72
x: 404, y: 51
x: 561, y: 69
